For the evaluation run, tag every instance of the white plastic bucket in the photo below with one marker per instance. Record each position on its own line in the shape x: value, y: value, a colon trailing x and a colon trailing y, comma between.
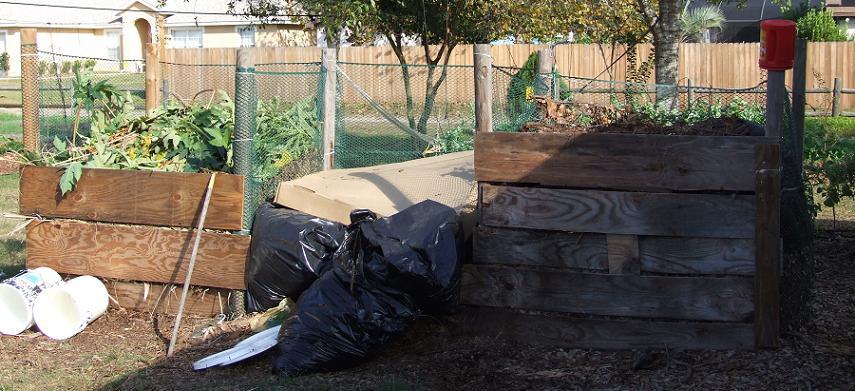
x: 19, y: 293
x: 62, y: 312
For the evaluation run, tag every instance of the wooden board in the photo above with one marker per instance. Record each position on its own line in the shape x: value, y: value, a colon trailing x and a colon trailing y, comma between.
x: 696, y: 255
x: 662, y: 214
x: 137, y: 253
x: 141, y: 296
x: 623, y: 254
x: 134, y: 197
x: 554, y: 330
x: 658, y: 254
x: 617, y: 161
x: 689, y: 298
x: 506, y: 246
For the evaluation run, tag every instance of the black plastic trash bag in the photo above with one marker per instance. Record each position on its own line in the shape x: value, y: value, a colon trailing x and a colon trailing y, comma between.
x: 289, y: 251
x: 386, y: 273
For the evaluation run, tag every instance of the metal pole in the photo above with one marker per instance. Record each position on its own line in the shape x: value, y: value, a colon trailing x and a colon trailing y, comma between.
x: 483, y: 60
x: 690, y: 95
x: 799, y: 84
x: 329, y: 64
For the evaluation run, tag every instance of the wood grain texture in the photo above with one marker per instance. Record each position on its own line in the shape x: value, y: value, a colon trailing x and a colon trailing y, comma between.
x: 556, y: 330
x: 205, y: 302
x: 697, y: 255
x: 137, y: 253
x: 767, y: 318
x: 133, y: 197
x: 688, y: 298
x: 507, y: 246
x: 617, y: 161
x: 623, y: 254
x: 661, y: 214
x: 658, y: 254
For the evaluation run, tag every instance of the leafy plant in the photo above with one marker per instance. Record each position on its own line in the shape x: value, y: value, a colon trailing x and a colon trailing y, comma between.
x: 4, y: 62
x: 283, y: 135
x: 457, y: 139
x: 696, y: 23
x: 700, y: 111
x: 829, y: 163
x: 818, y: 25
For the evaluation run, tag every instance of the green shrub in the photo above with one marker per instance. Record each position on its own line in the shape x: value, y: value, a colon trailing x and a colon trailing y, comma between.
x: 4, y: 62
x: 818, y: 25
x: 830, y: 159
x: 843, y: 127
x: 701, y: 111
x: 457, y: 139
x: 520, y: 107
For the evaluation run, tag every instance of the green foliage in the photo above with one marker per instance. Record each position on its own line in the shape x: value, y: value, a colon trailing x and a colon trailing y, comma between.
x: 520, y: 107
x: 829, y: 162
x: 176, y: 137
x: 284, y: 134
x: 457, y: 139
x: 819, y: 26
x: 700, y: 111
x: 10, y: 145
x: 842, y: 127
x: 4, y: 62
x: 696, y: 22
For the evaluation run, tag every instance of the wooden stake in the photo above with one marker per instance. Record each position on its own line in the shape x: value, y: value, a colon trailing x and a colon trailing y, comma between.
x: 328, y: 62
x: 202, y: 215
x: 152, y: 65
x: 30, y: 89
x: 483, y: 88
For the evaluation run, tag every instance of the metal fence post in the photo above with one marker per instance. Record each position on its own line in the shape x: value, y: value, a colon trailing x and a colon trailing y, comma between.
x: 799, y: 84
x: 30, y: 89
x: 328, y: 63
x: 246, y: 104
x: 835, y: 97
x: 483, y: 60
x: 690, y: 94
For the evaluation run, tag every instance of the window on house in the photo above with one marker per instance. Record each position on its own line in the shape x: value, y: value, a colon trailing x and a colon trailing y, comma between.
x: 114, y: 44
x: 247, y: 36
x: 186, y: 38
x: 2, y: 42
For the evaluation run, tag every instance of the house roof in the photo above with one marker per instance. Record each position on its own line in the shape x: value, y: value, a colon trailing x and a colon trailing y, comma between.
x: 108, y: 14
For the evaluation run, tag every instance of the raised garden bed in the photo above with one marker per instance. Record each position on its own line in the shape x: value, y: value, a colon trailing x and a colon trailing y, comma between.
x: 626, y: 240
x: 132, y: 226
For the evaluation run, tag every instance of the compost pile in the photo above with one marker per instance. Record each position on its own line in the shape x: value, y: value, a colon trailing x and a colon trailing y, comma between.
x: 357, y: 287
x: 734, y: 119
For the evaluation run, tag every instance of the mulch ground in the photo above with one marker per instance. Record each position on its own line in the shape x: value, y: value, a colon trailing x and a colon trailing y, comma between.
x: 124, y: 350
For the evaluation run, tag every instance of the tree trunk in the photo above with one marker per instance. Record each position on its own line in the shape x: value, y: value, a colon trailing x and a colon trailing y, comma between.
x: 397, y: 48
x: 666, y: 35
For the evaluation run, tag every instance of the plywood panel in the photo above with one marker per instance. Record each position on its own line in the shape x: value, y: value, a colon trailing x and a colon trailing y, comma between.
x: 688, y: 298
x: 661, y: 214
x: 138, y: 253
x: 618, y: 161
x: 134, y: 197
x: 556, y: 330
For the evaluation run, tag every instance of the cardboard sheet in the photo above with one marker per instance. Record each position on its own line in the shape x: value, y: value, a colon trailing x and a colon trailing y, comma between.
x: 448, y: 179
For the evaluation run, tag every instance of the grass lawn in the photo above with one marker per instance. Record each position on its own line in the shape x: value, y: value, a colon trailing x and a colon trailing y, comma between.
x: 10, y: 123
x: 10, y: 98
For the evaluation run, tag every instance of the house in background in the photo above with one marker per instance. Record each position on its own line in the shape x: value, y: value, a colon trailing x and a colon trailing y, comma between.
x: 119, y: 31
x: 844, y: 12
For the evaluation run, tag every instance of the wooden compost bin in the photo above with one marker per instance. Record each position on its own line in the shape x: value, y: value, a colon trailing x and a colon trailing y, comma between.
x: 619, y: 241
x: 131, y: 226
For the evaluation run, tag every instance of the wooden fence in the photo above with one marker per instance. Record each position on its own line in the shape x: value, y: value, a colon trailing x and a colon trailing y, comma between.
x: 706, y: 65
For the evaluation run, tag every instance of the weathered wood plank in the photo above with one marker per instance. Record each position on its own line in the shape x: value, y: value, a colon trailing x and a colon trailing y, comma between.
x: 623, y: 254
x: 658, y: 254
x: 506, y: 246
x: 768, y: 249
x: 133, y: 197
x: 696, y: 255
x: 662, y: 214
x: 135, y: 296
x: 564, y: 331
x: 618, y: 161
x: 137, y: 253
x: 695, y: 298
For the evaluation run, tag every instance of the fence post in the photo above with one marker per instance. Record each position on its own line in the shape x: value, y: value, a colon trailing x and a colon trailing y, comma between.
x: 30, y: 89
x: 151, y: 77
x: 545, y: 62
x: 328, y: 64
x: 799, y: 84
x: 690, y: 95
x: 483, y: 60
x: 246, y: 102
x: 835, y: 97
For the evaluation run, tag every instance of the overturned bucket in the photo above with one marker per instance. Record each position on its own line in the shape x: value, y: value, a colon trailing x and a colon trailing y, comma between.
x: 62, y: 312
x: 19, y: 293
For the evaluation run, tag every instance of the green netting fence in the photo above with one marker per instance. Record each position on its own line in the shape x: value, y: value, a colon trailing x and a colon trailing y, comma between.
x: 57, y: 112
